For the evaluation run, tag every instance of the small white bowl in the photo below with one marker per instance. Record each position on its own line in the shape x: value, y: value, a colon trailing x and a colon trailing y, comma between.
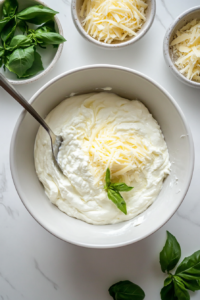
x: 49, y: 56
x: 180, y: 21
x: 150, y: 14
x: 131, y: 85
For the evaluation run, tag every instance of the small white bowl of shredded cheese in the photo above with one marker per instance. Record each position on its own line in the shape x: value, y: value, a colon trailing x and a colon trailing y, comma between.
x: 112, y: 23
x: 181, y: 47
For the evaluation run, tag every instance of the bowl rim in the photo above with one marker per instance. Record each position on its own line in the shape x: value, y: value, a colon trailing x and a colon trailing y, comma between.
x: 166, y: 46
x: 84, y: 34
x: 53, y: 62
x: 23, y: 114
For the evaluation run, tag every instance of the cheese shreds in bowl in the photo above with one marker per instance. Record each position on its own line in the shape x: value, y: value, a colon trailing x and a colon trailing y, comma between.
x: 112, y: 20
x: 186, y: 50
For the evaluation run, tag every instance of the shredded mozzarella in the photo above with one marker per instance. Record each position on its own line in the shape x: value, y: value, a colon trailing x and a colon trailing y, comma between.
x: 186, y: 49
x: 120, y: 153
x: 113, y: 20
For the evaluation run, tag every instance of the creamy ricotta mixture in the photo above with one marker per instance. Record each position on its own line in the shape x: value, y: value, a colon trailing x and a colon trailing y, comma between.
x: 102, y: 130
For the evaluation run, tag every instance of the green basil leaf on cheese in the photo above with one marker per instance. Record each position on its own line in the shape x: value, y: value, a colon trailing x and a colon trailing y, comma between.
x: 121, y: 187
x: 117, y: 199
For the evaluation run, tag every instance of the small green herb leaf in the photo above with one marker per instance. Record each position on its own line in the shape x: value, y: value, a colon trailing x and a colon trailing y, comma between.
x: 167, y: 292
x: 180, y: 291
x: 121, y: 187
x: 2, y: 51
x: 46, y: 27
x: 19, y: 41
x: 168, y: 280
x: 49, y: 38
x: 9, y: 30
x: 22, y: 26
x: 126, y: 290
x: 189, y: 269
x: 36, y: 67
x: 37, y: 14
x: 3, y: 22
x: 9, y: 7
x: 192, y: 285
x: 170, y: 254
x: 117, y: 199
x: 107, y: 178
x: 21, y: 60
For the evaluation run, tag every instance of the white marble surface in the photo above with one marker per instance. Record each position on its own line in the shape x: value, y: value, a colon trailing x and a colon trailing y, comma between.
x: 36, y: 265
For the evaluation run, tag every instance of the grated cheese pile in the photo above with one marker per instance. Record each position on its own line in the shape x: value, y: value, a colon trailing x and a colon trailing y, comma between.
x: 123, y: 154
x: 186, y: 49
x: 113, y: 20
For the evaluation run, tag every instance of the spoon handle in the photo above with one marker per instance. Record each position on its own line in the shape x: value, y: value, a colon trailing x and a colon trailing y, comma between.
x: 21, y: 100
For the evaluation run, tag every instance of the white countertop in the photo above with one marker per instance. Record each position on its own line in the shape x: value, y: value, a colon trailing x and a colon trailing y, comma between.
x: 36, y: 265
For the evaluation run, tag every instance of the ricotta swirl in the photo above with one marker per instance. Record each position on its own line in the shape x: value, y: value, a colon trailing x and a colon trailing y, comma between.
x: 102, y: 130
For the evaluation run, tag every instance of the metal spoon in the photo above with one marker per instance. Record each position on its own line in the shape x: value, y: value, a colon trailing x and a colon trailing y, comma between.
x: 56, y: 140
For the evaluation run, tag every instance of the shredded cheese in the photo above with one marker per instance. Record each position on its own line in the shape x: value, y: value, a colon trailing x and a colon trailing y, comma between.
x: 120, y: 153
x: 113, y: 20
x: 186, y: 50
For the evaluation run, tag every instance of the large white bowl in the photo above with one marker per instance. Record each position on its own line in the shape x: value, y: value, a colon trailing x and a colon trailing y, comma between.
x: 129, y: 84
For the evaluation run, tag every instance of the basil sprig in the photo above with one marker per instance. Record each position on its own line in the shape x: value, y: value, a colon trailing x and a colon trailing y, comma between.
x: 18, y: 52
x: 126, y: 290
x: 187, y: 275
x: 113, y: 190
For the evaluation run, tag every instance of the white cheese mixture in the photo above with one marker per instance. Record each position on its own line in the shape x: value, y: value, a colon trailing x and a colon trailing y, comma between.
x: 102, y: 130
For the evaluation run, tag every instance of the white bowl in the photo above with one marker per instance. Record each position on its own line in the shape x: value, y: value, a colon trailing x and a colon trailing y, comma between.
x: 129, y: 84
x: 180, y: 21
x: 49, y: 56
x: 150, y: 15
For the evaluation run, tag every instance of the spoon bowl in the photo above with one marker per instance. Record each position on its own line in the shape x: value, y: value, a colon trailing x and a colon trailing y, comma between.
x: 56, y: 140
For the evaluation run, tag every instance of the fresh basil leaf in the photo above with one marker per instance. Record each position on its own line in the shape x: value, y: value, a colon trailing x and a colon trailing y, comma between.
x: 37, y: 14
x: 180, y: 291
x: 8, y: 31
x: 167, y: 292
x: 46, y: 27
x: 107, y: 179
x: 3, y: 23
x: 168, y: 280
x: 22, y: 26
x: 170, y: 254
x: 192, y: 285
x: 9, y: 7
x: 19, y: 41
x: 36, y: 67
x: 49, y: 38
x: 121, y: 187
x: 189, y: 268
x: 117, y: 199
x: 21, y: 60
x: 126, y: 290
